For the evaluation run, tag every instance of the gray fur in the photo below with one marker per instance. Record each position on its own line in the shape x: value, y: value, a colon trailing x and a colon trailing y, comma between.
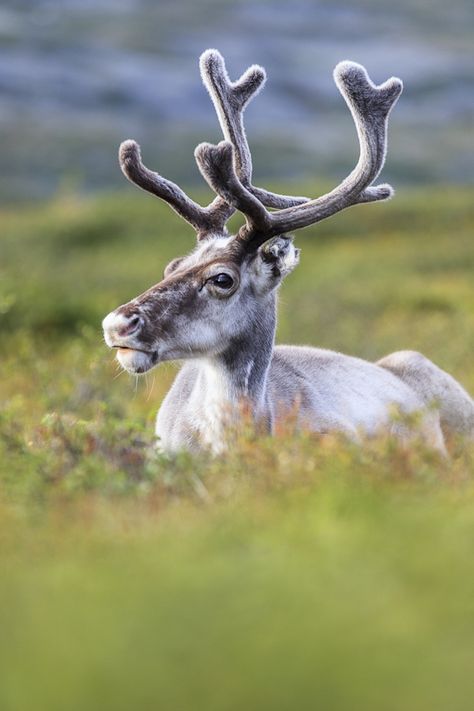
x: 436, y: 388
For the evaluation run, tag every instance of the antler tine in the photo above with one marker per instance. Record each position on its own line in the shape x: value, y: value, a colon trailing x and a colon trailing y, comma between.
x: 230, y: 99
x: 370, y: 106
x: 205, y: 220
x: 216, y: 164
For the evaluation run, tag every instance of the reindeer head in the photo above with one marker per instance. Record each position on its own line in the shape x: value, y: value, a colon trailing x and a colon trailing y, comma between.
x: 207, y: 299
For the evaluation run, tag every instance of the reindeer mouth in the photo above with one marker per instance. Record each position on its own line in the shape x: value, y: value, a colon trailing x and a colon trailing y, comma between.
x: 132, y: 348
x: 136, y: 360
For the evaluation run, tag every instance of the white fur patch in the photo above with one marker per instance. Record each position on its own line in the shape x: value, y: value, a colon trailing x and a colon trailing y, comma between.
x: 111, y: 325
x: 208, y: 249
x: 212, y: 402
x: 134, y: 361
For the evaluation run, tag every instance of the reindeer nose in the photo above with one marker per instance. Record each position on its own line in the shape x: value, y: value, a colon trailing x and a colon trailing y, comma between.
x: 116, y: 325
x: 130, y: 327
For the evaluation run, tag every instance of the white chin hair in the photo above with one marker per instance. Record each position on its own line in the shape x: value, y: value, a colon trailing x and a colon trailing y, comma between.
x: 134, y: 361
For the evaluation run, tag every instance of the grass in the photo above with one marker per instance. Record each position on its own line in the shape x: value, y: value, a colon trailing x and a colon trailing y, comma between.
x: 290, y: 574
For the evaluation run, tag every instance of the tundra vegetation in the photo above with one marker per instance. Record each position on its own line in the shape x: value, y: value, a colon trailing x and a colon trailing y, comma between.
x: 293, y: 572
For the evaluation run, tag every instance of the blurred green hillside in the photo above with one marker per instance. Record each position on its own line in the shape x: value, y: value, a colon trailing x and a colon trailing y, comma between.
x: 294, y: 573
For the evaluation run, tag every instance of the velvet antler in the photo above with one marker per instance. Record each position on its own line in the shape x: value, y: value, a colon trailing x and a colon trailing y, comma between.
x: 230, y: 99
x: 370, y: 106
x: 227, y: 167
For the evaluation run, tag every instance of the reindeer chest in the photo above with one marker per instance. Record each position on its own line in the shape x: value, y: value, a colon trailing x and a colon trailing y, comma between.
x: 198, y: 410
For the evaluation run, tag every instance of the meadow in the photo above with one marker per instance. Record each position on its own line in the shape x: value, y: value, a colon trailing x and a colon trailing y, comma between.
x: 291, y: 573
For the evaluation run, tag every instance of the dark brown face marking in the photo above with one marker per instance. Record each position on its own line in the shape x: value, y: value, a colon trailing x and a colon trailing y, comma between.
x: 177, y: 299
x: 205, y: 301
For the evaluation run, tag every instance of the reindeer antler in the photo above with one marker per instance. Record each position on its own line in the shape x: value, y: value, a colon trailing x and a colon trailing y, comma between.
x: 204, y: 219
x: 227, y: 167
x: 370, y: 106
x: 230, y: 99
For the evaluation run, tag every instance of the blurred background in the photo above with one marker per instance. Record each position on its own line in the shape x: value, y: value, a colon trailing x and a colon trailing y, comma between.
x: 79, y: 76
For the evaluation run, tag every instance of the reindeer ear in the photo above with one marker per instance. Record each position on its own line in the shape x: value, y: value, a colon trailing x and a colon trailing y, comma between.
x: 280, y: 254
x: 274, y: 260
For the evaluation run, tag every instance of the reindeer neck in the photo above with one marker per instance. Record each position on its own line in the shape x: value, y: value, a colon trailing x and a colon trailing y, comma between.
x: 239, y: 374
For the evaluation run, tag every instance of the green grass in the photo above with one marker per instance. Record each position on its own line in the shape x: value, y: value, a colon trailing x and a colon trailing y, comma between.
x: 291, y: 574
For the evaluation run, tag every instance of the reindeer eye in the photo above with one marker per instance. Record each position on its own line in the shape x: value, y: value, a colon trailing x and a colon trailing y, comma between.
x: 223, y: 281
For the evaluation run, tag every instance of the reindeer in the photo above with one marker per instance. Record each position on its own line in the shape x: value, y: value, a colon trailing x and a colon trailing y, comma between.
x: 216, y: 307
